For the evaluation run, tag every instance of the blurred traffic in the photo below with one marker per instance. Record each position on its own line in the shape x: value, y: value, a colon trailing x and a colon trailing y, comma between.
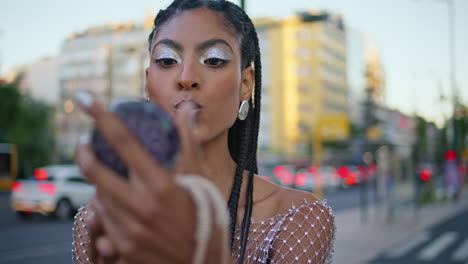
x: 56, y: 191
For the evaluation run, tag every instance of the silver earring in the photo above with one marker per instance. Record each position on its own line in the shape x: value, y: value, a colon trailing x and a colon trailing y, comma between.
x: 243, y: 110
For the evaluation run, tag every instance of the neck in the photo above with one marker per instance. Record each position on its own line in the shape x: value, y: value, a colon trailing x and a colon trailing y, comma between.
x: 219, y: 163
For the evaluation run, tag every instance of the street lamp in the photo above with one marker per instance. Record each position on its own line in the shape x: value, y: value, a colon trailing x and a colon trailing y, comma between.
x: 451, y: 20
x: 242, y: 4
x: 451, y: 14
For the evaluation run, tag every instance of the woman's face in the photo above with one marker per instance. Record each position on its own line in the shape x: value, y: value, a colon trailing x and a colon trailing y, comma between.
x: 195, y: 59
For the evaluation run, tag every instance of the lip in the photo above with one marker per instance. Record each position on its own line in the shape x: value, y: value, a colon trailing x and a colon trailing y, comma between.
x: 179, y: 103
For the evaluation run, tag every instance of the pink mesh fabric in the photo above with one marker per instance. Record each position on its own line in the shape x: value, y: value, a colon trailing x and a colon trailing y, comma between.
x: 305, y: 234
x: 81, y: 238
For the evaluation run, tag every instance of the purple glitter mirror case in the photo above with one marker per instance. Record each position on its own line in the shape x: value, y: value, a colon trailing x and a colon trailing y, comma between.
x: 151, y: 126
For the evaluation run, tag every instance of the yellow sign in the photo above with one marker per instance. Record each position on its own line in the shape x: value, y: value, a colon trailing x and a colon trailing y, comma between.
x: 333, y: 127
x: 465, y: 154
x: 374, y: 133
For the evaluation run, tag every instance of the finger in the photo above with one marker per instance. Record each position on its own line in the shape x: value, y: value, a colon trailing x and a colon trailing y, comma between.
x: 190, y: 157
x: 105, y: 248
x: 111, y: 229
x: 107, y: 182
x: 121, y: 140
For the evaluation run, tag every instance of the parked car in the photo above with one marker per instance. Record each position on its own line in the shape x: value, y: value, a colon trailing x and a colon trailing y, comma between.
x: 56, y: 190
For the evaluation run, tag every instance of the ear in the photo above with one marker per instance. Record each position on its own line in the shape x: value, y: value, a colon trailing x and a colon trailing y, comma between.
x: 247, y: 83
x: 146, y: 81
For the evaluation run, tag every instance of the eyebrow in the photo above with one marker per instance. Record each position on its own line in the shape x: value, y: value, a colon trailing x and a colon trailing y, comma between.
x: 202, y: 46
x: 212, y: 42
x: 169, y: 43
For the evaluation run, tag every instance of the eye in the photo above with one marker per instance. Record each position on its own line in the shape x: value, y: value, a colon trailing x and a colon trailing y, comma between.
x: 166, y: 62
x: 215, y: 62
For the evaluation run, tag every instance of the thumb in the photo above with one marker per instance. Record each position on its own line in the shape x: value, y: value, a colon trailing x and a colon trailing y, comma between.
x: 190, y: 161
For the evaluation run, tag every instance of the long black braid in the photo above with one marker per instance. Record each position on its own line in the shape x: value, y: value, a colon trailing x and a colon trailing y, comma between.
x: 243, y: 135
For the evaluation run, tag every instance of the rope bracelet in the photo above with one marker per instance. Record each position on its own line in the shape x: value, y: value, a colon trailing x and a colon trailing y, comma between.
x: 206, y: 198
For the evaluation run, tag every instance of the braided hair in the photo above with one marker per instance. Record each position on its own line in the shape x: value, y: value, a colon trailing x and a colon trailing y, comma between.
x: 243, y: 135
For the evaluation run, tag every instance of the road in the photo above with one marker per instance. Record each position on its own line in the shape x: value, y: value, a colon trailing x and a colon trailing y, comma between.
x: 36, y: 241
x: 445, y: 243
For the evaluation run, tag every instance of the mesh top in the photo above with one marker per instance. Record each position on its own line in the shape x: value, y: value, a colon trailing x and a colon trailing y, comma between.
x: 304, y: 234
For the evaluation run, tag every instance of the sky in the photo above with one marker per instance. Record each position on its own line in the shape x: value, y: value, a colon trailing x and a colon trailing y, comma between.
x: 412, y: 37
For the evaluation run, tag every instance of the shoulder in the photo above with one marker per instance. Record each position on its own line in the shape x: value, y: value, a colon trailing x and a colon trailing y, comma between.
x: 278, y: 200
x: 287, y: 198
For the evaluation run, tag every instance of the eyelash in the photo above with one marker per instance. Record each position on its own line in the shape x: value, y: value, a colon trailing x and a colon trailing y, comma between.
x: 221, y: 62
x: 218, y: 63
x: 161, y: 62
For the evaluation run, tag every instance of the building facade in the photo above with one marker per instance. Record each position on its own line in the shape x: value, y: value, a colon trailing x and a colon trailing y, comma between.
x: 39, y: 80
x: 107, y: 60
x: 305, y: 91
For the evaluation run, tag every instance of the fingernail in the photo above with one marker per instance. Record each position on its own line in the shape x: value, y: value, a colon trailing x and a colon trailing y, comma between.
x: 84, y: 98
x: 84, y: 139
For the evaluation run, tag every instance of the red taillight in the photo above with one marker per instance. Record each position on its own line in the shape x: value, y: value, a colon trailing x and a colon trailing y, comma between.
x: 425, y: 175
x: 278, y: 170
x: 300, y: 179
x: 41, y: 174
x: 16, y: 187
x: 46, y: 187
x: 343, y: 172
x: 451, y: 155
x: 351, y: 179
x: 287, y: 177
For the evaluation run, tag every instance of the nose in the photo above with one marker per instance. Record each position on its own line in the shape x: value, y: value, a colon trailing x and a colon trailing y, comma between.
x: 189, y: 77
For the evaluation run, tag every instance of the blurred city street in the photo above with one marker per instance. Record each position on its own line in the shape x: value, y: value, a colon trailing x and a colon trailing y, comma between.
x: 435, y: 233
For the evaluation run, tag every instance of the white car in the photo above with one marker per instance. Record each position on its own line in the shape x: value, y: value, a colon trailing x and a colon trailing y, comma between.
x: 56, y: 190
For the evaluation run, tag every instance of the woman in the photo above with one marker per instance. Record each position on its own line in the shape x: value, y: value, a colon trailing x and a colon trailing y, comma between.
x: 205, y: 70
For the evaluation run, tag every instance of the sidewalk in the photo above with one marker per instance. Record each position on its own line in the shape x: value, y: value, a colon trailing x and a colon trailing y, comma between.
x: 358, y: 242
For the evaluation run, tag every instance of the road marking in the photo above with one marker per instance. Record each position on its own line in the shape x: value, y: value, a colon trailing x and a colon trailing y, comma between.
x: 462, y: 252
x: 437, y: 246
x: 408, y: 245
x: 41, y: 251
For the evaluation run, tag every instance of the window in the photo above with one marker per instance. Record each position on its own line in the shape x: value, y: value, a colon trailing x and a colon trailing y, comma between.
x: 303, y: 53
x: 305, y: 108
x: 303, y: 70
x: 335, y: 88
x: 304, y: 89
x: 77, y: 179
x: 303, y: 34
x: 334, y: 107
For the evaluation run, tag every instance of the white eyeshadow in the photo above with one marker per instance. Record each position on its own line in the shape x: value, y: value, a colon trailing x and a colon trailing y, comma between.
x: 168, y: 53
x: 215, y: 53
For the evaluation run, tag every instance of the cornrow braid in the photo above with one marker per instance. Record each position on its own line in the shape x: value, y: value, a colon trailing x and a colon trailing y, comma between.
x: 254, y: 169
x: 243, y: 129
x: 243, y: 135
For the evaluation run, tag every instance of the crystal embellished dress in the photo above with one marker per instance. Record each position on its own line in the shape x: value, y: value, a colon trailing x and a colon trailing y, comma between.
x: 304, y: 234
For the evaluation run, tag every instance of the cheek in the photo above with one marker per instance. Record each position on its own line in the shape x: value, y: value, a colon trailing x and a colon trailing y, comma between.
x: 224, y: 95
x: 157, y: 89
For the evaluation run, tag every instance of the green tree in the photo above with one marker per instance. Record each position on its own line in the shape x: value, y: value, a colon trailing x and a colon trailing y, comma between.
x: 28, y: 124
